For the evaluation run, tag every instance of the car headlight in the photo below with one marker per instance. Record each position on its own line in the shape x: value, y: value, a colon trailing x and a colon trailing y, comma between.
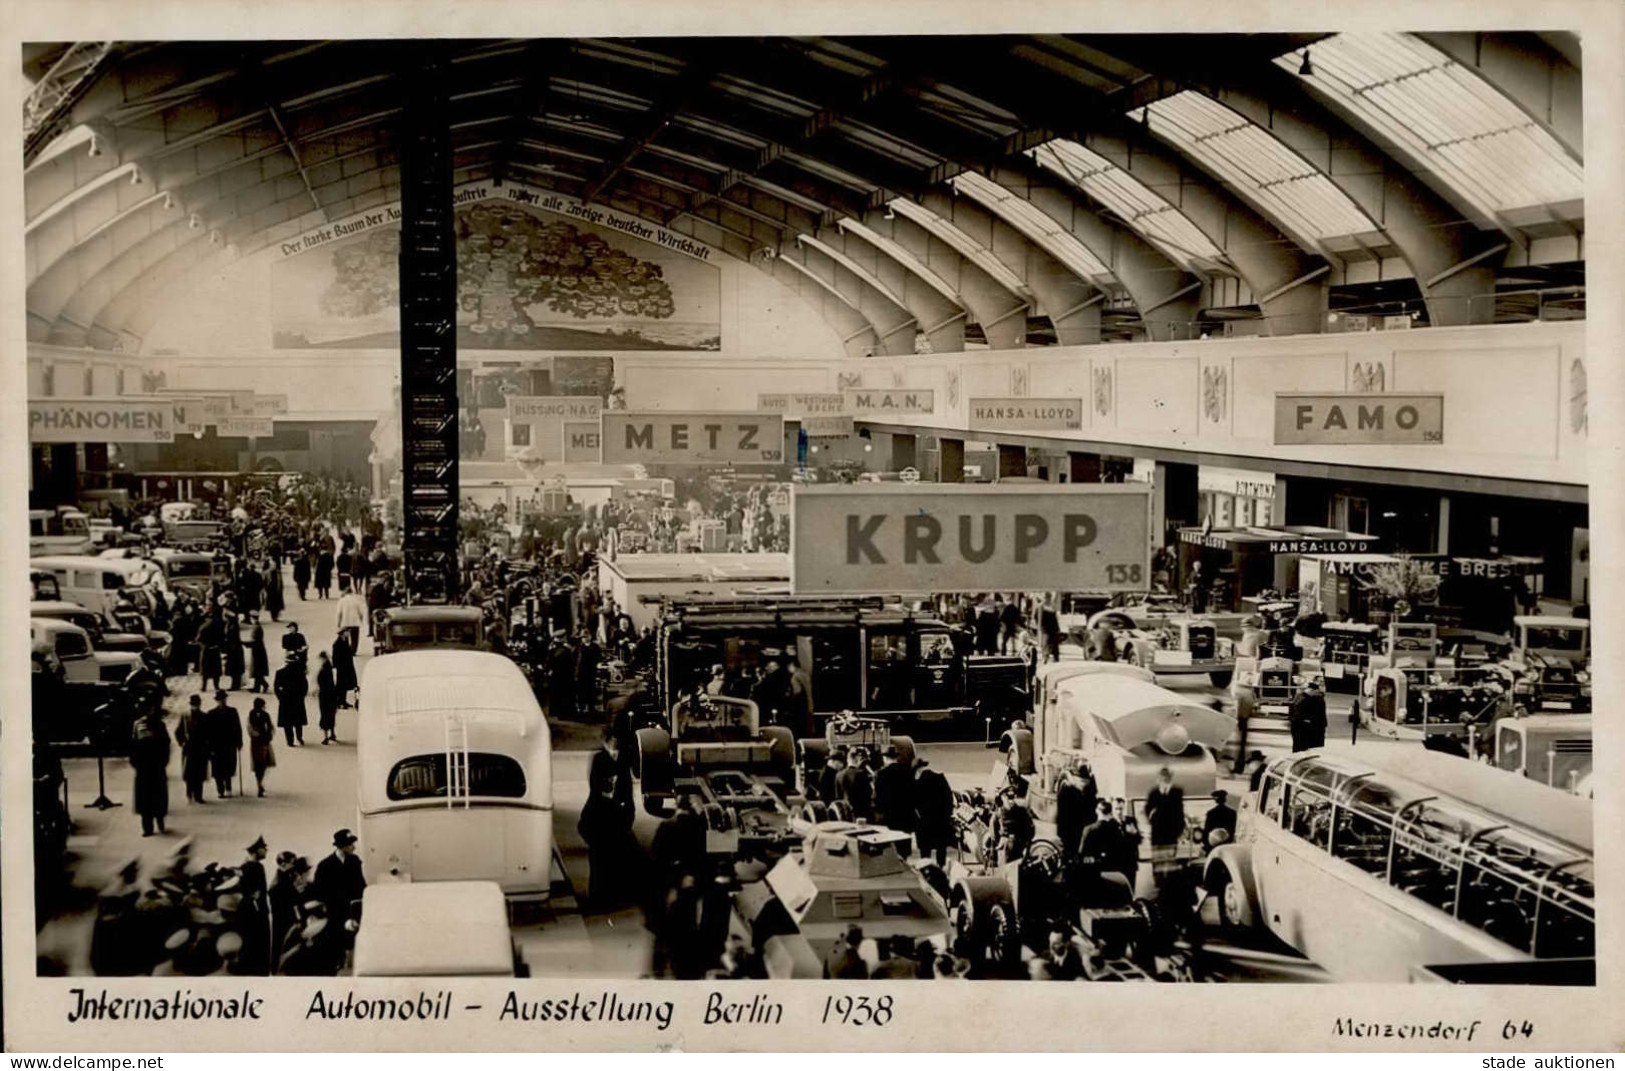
x: 1173, y: 738
x: 1583, y: 677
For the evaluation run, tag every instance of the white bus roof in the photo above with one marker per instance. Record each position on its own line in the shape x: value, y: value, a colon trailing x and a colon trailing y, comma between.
x: 405, y: 702
x: 1430, y: 774
x: 90, y: 561
x: 1129, y: 711
x: 433, y: 928
x: 1053, y: 674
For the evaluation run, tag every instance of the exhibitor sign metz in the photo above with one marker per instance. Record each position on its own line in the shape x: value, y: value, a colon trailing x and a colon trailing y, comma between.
x: 876, y: 539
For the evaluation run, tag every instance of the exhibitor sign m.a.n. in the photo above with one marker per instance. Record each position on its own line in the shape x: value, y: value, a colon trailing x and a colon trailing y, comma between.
x: 1358, y: 419
x: 887, y: 538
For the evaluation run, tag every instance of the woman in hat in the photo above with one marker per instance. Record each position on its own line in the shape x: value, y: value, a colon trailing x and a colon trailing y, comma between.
x: 261, y: 732
x: 286, y: 898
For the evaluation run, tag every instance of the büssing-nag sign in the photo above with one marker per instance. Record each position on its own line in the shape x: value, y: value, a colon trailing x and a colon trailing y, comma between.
x: 1358, y: 419
x: 880, y: 538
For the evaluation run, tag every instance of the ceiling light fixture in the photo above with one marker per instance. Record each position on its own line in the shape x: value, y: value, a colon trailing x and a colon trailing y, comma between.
x: 135, y: 176
x: 1306, y: 69
x: 95, y: 149
x: 193, y: 222
x: 169, y: 200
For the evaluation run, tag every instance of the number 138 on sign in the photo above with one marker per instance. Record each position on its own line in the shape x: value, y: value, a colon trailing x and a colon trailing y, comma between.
x: 1125, y: 573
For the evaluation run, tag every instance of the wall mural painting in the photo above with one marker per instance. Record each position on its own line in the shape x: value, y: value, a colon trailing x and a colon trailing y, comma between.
x: 1215, y: 393
x: 526, y: 280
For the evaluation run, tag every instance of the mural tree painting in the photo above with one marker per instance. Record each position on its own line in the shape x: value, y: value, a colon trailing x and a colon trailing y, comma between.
x: 509, y: 263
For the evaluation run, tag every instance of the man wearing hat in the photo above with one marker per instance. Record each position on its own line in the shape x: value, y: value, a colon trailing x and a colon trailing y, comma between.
x: 224, y: 728
x: 340, y: 883
x: 832, y: 770
x: 285, y: 898
x: 894, y: 797
x: 933, y: 811
x: 1219, y: 826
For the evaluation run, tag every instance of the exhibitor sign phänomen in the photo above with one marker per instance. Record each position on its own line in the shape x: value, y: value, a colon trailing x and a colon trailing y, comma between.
x: 879, y: 538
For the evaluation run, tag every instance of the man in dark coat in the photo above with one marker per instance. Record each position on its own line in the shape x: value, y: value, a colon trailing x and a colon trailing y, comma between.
x: 224, y: 728
x: 191, y: 732
x: 231, y: 639
x: 254, y: 911
x: 606, y: 822
x: 149, y: 754
x: 293, y: 641
x: 324, y: 572
x: 344, y: 677
x: 285, y: 898
x: 826, y: 777
x: 843, y: 961
x: 1101, y: 849
x: 1165, y: 809
x: 855, y: 785
x: 894, y: 796
x: 271, y: 581
x: 327, y: 699
x: 259, y: 659
x: 1219, y: 824
x: 339, y: 884
x: 1074, y: 807
x: 301, y: 573
x: 210, y: 636
x: 1308, y: 718
x: 678, y: 848
x: 290, y: 687
x: 933, y: 811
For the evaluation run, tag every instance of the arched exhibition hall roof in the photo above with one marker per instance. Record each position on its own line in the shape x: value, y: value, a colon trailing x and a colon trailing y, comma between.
x: 1177, y: 182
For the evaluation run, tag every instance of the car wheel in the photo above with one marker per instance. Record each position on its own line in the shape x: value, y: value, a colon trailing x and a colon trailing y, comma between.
x: 1234, y: 911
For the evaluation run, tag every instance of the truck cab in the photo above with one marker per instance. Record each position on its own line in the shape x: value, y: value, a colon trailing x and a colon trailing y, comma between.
x: 1549, y: 661
x: 61, y: 531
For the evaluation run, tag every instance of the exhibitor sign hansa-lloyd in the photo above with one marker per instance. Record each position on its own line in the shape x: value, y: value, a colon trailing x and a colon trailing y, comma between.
x: 1026, y: 414
x: 1358, y: 419
x: 887, y: 538
x: 702, y: 438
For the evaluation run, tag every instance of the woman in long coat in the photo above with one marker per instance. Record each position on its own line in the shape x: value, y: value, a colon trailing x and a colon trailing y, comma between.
x: 259, y: 659
x: 327, y: 698
x: 149, y: 754
x: 272, y: 583
x: 261, y: 755
x: 290, y: 690
x: 232, y: 642
x: 344, y: 678
x: 301, y: 571
x: 324, y: 571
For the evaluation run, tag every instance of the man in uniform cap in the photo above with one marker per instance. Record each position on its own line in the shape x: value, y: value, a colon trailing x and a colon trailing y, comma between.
x: 254, y: 911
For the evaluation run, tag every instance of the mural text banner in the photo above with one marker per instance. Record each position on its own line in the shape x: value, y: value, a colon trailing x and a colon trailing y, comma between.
x: 706, y: 438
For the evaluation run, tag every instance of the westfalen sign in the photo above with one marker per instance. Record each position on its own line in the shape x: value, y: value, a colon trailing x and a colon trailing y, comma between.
x: 889, y: 538
x: 1358, y: 419
x: 701, y: 438
x: 93, y: 420
x: 581, y: 441
x: 801, y: 403
x: 1026, y: 414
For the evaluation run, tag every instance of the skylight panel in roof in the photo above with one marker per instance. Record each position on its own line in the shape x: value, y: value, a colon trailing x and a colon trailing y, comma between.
x: 1033, y: 222
x: 897, y: 252
x: 1271, y: 177
x: 1144, y: 211
x: 1446, y: 118
x: 814, y: 166
x: 886, y: 144
x: 963, y: 244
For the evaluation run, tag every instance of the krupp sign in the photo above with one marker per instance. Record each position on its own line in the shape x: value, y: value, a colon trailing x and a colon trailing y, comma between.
x: 1358, y: 419
x: 88, y: 420
x: 889, y: 538
x: 676, y: 438
x: 1026, y: 414
x: 581, y: 441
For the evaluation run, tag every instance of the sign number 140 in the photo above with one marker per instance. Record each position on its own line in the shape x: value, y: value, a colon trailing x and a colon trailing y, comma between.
x: 1121, y: 573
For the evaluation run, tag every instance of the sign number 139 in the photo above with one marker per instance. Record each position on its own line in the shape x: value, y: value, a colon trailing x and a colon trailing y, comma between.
x: 1120, y: 573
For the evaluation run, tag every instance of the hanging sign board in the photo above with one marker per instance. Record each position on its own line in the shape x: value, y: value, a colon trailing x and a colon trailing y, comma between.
x: 190, y: 415
x: 893, y: 538
x: 1026, y: 414
x: 701, y: 438
x: 801, y: 404
x: 869, y: 402
x: 246, y: 427
x: 1358, y: 419
x: 270, y: 405
x: 91, y: 420
x: 537, y: 421
x: 828, y: 426
x: 242, y: 401
x: 581, y: 441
